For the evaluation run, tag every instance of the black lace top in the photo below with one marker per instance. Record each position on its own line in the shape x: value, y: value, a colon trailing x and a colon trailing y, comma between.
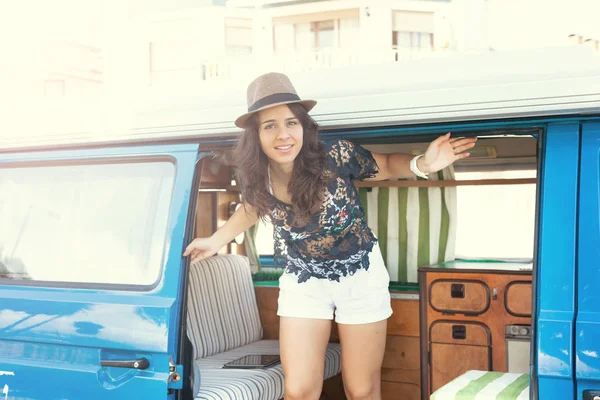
x: 336, y: 241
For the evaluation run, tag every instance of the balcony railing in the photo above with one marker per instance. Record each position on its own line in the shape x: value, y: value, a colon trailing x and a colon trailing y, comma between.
x: 244, y: 67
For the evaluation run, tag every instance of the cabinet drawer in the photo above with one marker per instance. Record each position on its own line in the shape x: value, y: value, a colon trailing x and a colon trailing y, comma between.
x: 459, y: 296
x: 449, y: 361
x: 458, y: 332
x: 517, y: 299
x: 402, y: 361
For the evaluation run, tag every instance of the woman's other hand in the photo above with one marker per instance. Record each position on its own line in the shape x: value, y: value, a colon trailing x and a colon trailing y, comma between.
x: 444, y: 151
x: 201, y: 248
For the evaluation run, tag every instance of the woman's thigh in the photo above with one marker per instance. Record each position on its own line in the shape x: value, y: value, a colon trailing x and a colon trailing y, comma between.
x: 303, y: 343
x: 363, y: 346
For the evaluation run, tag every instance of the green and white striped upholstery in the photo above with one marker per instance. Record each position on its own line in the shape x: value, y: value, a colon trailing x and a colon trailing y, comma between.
x: 414, y: 226
x: 484, y: 385
x: 223, y: 325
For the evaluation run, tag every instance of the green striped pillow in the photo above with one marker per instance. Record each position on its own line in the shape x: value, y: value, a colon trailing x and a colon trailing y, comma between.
x: 484, y: 385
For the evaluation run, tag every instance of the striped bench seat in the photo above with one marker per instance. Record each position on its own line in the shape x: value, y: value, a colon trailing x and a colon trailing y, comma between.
x: 223, y: 324
x: 485, y: 385
x: 217, y: 383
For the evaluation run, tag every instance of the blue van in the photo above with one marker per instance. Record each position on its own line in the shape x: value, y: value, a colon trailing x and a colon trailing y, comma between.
x: 97, y: 302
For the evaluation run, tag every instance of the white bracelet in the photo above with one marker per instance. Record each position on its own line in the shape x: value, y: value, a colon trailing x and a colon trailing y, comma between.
x: 415, y: 169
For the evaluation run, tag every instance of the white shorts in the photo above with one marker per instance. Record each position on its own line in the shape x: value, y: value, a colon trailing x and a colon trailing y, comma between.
x: 358, y: 299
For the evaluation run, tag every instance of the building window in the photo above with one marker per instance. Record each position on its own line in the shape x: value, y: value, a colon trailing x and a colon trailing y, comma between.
x: 317, y: 35
x: 413, y: 30
x: 312, y: 33
x: 238, y: 37
x: 323, y: 33
x: 412, y: 40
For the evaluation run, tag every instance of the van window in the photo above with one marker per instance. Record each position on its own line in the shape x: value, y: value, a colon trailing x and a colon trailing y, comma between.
x: 496, y: 221
x: 94, y: 223
x: 264, y: 238
x: 493, y: 219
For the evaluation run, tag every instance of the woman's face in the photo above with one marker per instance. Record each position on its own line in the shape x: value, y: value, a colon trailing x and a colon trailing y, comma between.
x: 280, y: 134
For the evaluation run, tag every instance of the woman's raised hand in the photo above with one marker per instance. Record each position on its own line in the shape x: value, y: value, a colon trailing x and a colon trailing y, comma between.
x: 444, y: 151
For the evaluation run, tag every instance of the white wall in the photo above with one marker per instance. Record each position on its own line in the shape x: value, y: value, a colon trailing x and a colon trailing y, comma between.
x: 469, y: 20
x: 376, y: 25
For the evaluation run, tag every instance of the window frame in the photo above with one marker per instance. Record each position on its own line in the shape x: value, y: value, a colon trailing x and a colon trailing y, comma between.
x: 393, y: 135
x: 117, y: 159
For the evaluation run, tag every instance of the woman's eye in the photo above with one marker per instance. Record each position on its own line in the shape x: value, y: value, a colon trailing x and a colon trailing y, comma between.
x: 292, y: 123
x: 270, y: 126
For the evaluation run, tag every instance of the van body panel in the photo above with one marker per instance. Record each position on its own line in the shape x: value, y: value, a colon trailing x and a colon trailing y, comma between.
x: 556, y: 261
x: 587, y: 327
x: 54, y: 335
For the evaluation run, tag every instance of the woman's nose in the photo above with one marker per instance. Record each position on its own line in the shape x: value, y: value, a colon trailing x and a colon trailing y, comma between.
x: 283, y: 133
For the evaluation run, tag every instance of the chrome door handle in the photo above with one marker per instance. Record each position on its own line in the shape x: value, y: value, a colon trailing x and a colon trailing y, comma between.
x: 140, y: 363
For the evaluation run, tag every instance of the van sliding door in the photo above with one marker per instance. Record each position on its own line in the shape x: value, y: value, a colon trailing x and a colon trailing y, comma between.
x: 556, y: 262
x: 587, y: 328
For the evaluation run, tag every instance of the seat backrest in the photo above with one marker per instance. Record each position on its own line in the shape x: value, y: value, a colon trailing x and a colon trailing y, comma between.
x: 222, y: 310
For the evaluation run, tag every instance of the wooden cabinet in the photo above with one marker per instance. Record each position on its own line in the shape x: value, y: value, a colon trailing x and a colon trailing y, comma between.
x: 464, y: 315
x: 401, y: 369
x: 457, y: 346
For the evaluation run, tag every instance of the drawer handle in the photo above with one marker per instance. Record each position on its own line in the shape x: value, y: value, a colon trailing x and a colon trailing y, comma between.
x: 457, y: 291
x: 459, y: 332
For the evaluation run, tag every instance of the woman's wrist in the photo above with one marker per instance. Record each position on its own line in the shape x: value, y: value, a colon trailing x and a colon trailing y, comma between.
x: 216, y: 241
x: 422, y: 166
x: 415, y: 167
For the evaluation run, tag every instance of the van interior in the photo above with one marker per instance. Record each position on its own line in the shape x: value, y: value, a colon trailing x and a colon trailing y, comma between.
x: 459, y: 248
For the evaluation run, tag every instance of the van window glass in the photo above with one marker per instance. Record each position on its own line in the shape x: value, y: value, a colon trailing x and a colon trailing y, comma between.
x: 496, y: 221
x: 95, y: 223
x: 264, y: 238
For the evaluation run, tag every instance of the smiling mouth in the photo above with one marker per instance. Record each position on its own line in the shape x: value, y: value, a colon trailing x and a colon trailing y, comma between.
x: 284, y: 148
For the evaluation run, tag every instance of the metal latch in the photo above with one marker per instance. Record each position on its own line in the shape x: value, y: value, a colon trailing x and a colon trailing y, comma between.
x: 591, y: 395
x: 175, y: 375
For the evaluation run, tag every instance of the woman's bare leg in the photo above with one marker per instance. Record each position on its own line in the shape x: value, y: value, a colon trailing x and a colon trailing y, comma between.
x: 303, y: 343
x: 363, y: 347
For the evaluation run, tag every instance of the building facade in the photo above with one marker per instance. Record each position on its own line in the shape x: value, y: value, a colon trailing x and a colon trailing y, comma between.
x: 195, y: 45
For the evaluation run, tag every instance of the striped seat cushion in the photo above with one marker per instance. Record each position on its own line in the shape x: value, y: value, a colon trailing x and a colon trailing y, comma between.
x: 222, y: 310
x: 211, y: 382
x: 484, y: 385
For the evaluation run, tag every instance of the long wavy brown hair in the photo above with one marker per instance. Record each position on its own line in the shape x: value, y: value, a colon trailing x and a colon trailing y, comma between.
x: 308, y: 179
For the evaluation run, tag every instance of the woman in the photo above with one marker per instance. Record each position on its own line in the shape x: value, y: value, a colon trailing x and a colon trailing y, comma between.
x: 332, y: 262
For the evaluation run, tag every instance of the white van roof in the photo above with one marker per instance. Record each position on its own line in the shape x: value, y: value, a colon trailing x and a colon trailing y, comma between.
x: 461, y: 87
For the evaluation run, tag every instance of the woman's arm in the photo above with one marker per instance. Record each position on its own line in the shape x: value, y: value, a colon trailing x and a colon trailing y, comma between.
x: 442, y: 152
x: 242, y: 219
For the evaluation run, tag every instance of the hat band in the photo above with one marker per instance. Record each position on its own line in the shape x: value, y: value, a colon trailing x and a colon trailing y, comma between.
x: 272, y: 99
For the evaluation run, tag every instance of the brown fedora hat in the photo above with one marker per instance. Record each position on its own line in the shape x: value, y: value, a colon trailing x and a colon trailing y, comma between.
x: 270, y: 90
